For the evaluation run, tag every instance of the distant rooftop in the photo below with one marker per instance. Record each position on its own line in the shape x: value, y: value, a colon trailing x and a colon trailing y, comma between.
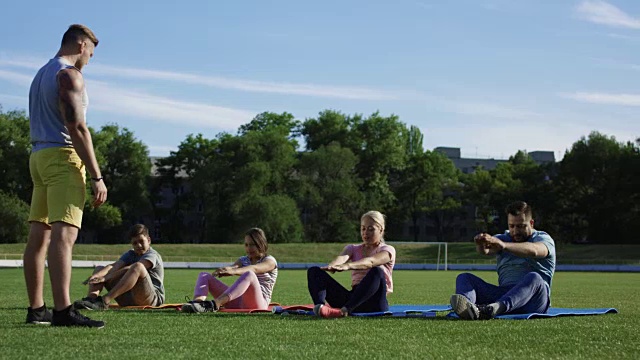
x: 468, y: 165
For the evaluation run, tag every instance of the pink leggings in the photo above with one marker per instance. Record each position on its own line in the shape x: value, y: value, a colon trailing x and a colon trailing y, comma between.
x: 245, y: 293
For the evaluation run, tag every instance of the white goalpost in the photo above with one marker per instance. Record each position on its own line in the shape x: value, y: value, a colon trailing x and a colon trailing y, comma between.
x: 440, y: 245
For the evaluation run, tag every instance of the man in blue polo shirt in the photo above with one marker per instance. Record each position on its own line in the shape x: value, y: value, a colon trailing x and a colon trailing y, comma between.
x: 526, y: 260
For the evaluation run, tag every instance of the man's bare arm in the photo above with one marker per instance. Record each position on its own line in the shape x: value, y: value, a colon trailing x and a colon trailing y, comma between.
x: 71, y: 89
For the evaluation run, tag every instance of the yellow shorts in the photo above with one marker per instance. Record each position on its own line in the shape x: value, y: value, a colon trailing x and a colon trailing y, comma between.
x: 58, y: 177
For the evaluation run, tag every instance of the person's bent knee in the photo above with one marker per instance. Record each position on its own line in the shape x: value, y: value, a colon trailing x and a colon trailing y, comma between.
x: 249, y: 275
x: 139, y: 268
x: 464, y: 276
x: 377, y: 271
x: 314, y: 270
x: 534, y: 277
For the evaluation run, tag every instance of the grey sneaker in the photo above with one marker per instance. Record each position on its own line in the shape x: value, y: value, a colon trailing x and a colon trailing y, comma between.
x: 465, y: 309
x: 88, y: 303
x: 39, y: 316
x: 79, y: 304
x: 199, y: 306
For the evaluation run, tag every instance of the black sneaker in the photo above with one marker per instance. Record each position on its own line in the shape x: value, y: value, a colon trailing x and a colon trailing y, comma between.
x: 39, y: 316
x: 71, y: 317
x: 78, y: 304
x: 200, y: 306
x: 487, y: 312
x: 91, y: 303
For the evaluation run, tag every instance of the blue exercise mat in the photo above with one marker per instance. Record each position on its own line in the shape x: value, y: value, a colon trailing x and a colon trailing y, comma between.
x: 553, y: 312
x: 394, y: 310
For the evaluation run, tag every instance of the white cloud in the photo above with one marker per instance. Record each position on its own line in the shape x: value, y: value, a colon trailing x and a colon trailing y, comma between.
x: 489, y: 109
x: 129, y: 103
x: 343, y: 92
x: 424, y: 5
x: 30, y: 62
x: 604, y: 98
x: 601, y: 12
x: 8, y: 101
x: 314, y: 90
x: 16, y: 78
x: 623, y: 37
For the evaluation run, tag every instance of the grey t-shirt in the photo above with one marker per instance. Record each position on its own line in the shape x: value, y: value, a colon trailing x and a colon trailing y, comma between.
x: 156, y: 272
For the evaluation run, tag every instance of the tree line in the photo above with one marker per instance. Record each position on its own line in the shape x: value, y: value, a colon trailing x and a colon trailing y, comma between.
x: 309, y: 181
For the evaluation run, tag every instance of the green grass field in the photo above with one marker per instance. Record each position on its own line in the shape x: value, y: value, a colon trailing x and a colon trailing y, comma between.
x: 168, y: 334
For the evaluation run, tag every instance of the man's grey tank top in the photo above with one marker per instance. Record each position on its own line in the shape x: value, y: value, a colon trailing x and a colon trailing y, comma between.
x: 45, y: 120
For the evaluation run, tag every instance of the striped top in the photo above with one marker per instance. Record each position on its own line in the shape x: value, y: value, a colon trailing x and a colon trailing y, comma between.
x: 267, y: 280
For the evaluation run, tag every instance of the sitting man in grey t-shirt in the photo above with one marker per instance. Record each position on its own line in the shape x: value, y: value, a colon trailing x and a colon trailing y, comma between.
x: 134, y: 280
x: 526, y: 261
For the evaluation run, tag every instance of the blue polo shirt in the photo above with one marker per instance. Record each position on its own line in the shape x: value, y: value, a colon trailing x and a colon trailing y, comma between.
x: 512, y: 268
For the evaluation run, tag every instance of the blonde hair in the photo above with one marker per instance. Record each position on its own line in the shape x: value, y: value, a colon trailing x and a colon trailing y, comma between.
x: 377, y: 218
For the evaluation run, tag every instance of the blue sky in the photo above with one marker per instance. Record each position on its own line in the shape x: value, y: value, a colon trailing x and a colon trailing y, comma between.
x: 488, y: 76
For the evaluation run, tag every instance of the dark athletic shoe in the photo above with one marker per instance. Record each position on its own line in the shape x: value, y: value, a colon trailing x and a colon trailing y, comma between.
x: 39, y: 316
x: 465, y: 309
x: 88, y: 303
x: 78, y: 303
x: 199, y: 306
x: 487, y: 312
x: 71, y: 317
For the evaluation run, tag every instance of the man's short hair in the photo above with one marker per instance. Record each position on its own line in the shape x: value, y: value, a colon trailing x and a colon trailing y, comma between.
x: 138, y: 229
x: 78, y: 32
x: 519, y: 207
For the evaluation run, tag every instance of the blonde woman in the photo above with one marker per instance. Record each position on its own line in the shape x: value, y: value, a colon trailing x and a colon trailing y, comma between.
x: 371, y: 264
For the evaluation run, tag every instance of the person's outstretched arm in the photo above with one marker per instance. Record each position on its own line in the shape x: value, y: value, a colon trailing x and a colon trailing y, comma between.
x: 225, y: 270
x: 106, y: 273
x: 369, y: 262
x: 522, y: 249
x: 261, y: 268
x: 338, y: 261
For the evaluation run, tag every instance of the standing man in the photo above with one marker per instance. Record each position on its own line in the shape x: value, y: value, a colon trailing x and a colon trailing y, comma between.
x: 526, y: 262
x: 61, y: 148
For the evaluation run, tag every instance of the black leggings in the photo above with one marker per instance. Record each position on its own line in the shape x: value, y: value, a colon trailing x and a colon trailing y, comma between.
x: 370, y: 295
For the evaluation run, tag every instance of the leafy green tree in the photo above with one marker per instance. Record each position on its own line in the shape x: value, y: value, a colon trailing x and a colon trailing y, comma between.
x: 236, y: 181
x: 14, y: 213
x: 329, y: 196
x: 261, y: 163
x: 479, y: 190
x: 599, y: 176
x: 15, y: 148
x: 383, y: 152
x: 125, y: 166
x: 284, y: 124
x: 429, y: 184
x: 179, y: 192
x: 332, y: 127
